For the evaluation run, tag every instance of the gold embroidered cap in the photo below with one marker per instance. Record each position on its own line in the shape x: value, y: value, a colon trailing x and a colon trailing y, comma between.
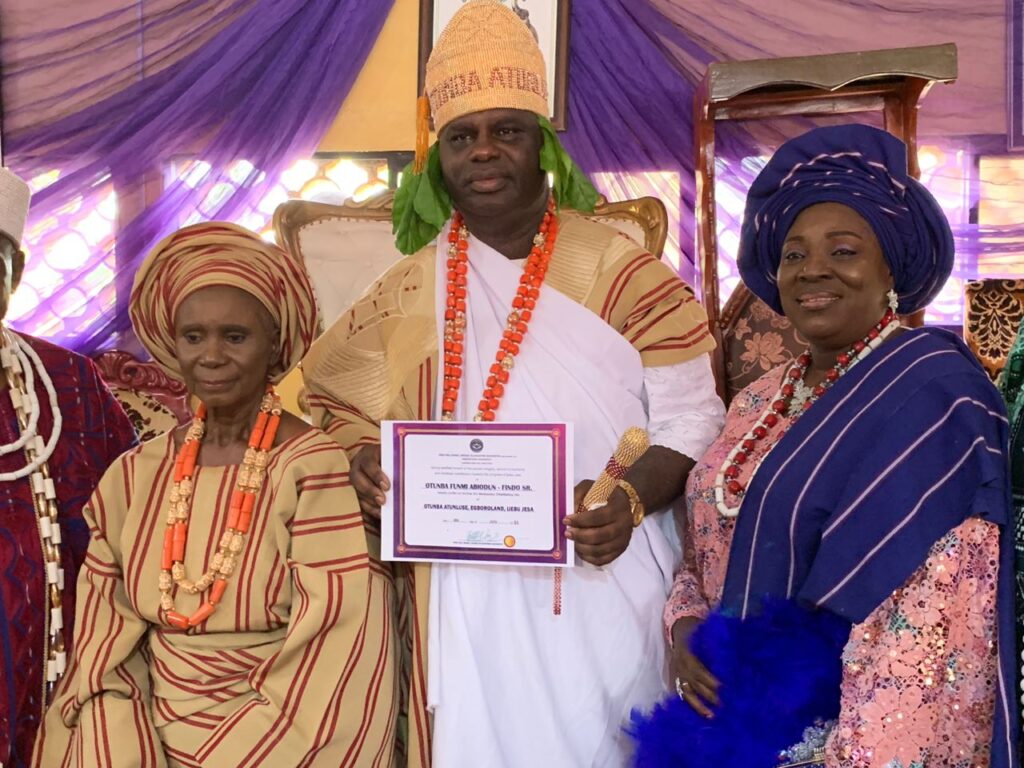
x: 486, y: 58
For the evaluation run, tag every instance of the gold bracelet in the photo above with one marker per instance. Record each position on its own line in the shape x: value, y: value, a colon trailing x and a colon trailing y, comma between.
x: 636, y: 507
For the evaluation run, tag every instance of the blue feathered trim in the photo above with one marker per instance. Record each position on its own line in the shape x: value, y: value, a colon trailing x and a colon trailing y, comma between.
x: 779, y: 671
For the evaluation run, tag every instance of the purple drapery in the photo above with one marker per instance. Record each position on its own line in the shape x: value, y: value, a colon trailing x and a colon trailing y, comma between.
x: 262, y: 79
x: 631, y: 102
x: 263, y: 89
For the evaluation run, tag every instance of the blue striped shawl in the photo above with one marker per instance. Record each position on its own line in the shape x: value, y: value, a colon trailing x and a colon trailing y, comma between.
x: 902, y: 449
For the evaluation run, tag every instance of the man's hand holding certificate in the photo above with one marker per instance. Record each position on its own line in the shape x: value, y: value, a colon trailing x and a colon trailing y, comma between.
x: 477, y: 492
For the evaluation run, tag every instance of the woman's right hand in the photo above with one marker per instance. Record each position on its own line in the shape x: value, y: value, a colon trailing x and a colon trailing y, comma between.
x: 369, y: 480
x: 694, y: 684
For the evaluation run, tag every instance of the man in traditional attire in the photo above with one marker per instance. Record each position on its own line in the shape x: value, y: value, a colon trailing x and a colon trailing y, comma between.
x: 514, y: 307
x: 59, y: 428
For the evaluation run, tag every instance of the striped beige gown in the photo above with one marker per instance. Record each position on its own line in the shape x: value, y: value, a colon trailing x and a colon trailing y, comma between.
x: 294, y: 668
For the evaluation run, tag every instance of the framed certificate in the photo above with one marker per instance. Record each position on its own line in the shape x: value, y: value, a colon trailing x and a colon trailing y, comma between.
x: 477, y: 492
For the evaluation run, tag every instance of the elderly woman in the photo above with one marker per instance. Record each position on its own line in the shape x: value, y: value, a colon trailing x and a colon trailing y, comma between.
x: 232, y: 607
x: 846, y: 595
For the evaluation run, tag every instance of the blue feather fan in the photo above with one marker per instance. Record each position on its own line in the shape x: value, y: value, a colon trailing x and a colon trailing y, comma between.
x: 779, y: 671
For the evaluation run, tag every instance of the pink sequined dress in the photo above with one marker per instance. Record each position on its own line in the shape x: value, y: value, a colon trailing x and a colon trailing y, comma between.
x: 920, y: 672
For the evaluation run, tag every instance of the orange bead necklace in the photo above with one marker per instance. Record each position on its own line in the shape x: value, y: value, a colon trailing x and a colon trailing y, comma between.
x: 518, y: 319
x: 243, y: 501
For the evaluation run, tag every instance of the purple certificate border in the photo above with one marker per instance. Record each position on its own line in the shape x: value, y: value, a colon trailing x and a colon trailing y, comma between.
x: 1015, y: 74
x: 553, y: 556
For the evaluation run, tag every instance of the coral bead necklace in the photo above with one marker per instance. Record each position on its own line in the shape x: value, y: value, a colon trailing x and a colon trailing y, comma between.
x: 523, y: 305
x: 793, y: 398
x: 243, y: 501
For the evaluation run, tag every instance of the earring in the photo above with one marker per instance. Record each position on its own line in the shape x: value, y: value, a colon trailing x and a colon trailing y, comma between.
x: 894, y: 299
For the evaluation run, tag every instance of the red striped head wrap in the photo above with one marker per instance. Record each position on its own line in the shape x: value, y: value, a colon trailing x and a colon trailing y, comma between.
x: 219, y: 253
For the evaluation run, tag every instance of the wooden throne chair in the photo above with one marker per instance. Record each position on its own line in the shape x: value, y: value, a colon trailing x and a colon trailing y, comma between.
x: 751, y: 338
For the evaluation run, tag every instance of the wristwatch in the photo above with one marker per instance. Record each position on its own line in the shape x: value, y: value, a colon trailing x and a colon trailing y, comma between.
x: 636, y: 507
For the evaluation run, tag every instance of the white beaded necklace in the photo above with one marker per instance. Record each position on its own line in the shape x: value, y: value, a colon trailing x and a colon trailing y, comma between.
x: 18, y: 358
x: 21, y: 365
x: 790, y: 398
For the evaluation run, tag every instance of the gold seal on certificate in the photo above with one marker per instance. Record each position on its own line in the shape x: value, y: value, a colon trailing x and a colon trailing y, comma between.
x: 477, y: 492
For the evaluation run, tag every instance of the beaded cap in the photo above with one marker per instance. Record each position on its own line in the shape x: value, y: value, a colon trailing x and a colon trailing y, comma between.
x: 486, y: 58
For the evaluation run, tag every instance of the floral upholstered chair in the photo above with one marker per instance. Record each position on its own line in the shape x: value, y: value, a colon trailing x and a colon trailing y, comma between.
x: 993, y: 312
x: 755, y: 340
x: 155, y: 403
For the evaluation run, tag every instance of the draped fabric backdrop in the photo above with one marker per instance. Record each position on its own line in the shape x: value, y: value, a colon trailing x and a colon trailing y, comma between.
x: 257, y: 81
x: 125, y: 94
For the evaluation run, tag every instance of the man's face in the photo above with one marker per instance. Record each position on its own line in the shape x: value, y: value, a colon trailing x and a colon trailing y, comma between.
x: 490, y: 161
x: 12, y: 262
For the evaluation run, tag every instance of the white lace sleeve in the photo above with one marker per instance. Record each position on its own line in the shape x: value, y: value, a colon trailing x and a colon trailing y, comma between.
x: 683, y: 408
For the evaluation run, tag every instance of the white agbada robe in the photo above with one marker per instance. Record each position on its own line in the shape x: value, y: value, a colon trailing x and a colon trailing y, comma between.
x: 510, y: 683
